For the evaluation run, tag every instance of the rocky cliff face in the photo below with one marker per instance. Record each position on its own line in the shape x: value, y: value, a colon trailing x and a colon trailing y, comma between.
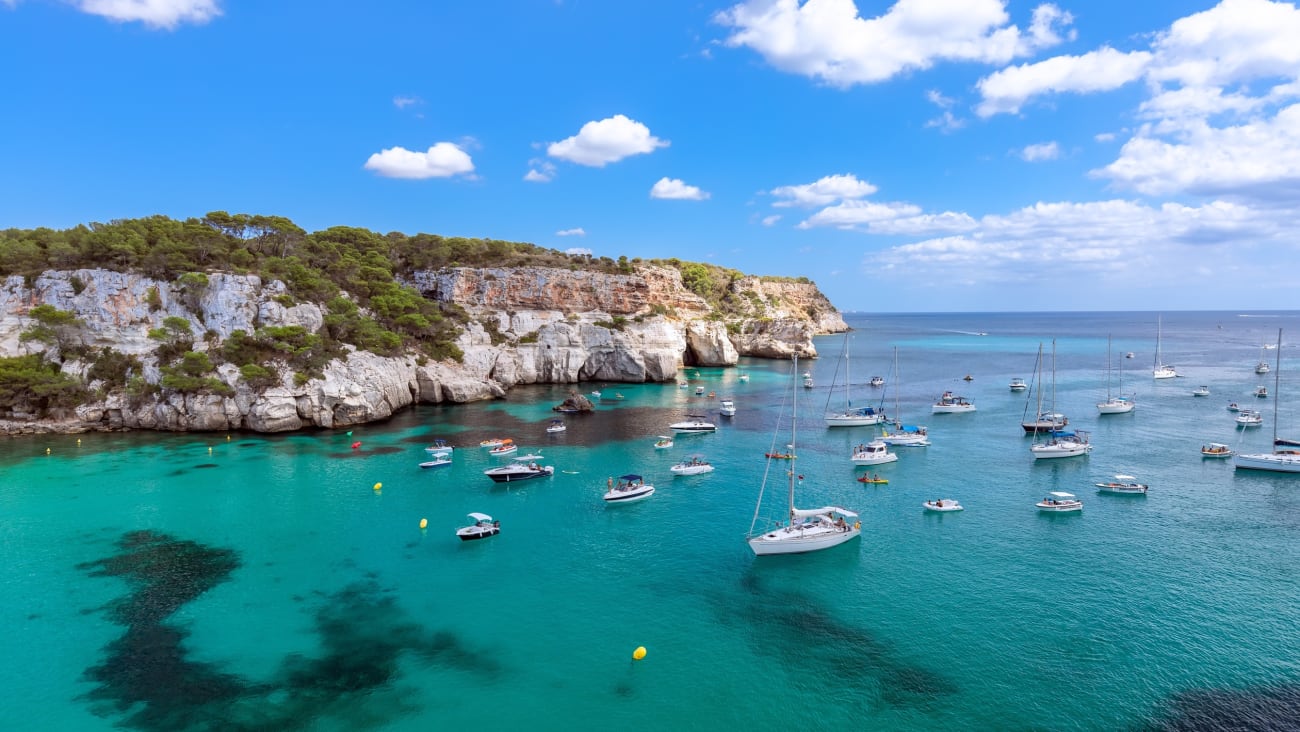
x: 531, y: 325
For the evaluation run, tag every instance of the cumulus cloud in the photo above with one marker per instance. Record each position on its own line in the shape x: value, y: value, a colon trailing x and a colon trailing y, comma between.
x: 443, y: 160
x: 153, y: 13
x: 830, y: 41
x: 823, y: 192
x: 1039, y: 152
x: 402, y: 102
x: 771, y: 220
x: 540, y: 171
x: 572, y: 232
x: 1006, y: 91
x: 606, y: 141
x: 675, y: 189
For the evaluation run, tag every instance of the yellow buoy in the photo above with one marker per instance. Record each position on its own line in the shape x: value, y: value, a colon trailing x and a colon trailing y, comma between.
x: 47, y: 451
x: 227, y: 438
x: 639, y: 653
x: 209, y: 451
x: 424, y: 523
x: 378, y: 486
x: 78, y: 442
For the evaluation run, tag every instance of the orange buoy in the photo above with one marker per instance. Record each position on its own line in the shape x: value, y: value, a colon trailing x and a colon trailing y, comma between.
x: 356, y: 444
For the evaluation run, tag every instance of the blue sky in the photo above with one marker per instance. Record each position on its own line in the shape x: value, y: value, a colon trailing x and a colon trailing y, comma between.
x: 919, y: 155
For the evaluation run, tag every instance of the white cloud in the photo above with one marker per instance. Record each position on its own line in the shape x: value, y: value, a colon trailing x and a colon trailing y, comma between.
x: 830, y: 41
x: 606, y: 141
x: 1104, y: 137
x: 153, y: 13
x: 771, y: 220
x: 540, y: 171
x: 1006, y: 91
x: 675, y: 189
x: 402, y: 102
x: 823, y: 192
x: 1040, y: 151
x: 443, y: 160
x: 946, y: 121
x: 579, y: 251
x: 579, y: 231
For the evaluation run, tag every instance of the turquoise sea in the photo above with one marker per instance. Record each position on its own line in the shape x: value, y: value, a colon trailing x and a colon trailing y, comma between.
x: 211, y: 581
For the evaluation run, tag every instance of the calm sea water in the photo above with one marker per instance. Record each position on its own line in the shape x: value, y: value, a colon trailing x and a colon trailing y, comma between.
x: 170, y: 582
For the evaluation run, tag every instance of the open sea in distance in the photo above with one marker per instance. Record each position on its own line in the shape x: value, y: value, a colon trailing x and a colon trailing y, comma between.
x: 203, y: 581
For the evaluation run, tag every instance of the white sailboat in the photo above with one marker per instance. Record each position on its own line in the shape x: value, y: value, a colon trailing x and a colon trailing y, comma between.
x: 1114, y: 404
x: 1161, y: 370
x: 1286, y: 460
x: 1042, y: 421
x: 1059, y: 444
x: 1262, y: 366
x: 849, y: 416
x: 903, y: 435
x: 808, y: 529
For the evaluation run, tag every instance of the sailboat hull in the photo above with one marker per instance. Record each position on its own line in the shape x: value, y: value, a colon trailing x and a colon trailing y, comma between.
x: 1115, y: 406
x: 1274, y: 462
x: 853, y: 420
x: 800, y: 539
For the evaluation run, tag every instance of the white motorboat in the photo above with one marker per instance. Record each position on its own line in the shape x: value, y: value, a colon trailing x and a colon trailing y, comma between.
x: 1114, y: 403
x: 742, y: 377
x: 808, y: 382
x: 1261, y: 392
x: 1018, y: 384
x: 943, y: 505
x: 699, y: 391
x: 506, y: 448
x: 441, y: 460
x: 877, y: 381
x: 439, y: 447
x: 808, y: 529
x: 683, y: 384
x: 1201, y: 391
x: 556, y: 426
x: 849, y: 416
x: 628, y: 489
x: 494, y: 442
x: 1216, y: 450
x: 1285, y: 460
x: 483, y: 527
x: 950, y: 404
x: 1124, y: 484
x: 1161, y: 370
x: 691, y: 466
x: 664, y: 442
x: 693, y: 424
x: 1059, y: 501
x: 517, y: 471
x: 1249, y: 418
x: 595, y: 395
x: 875, y: 452
x: 727, y: 408
x: 1232, y: 407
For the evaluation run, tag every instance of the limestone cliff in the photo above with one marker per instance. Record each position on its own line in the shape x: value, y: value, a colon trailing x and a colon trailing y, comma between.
x: 528, y: 325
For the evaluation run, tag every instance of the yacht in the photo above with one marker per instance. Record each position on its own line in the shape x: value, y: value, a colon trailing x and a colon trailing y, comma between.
x: 1018, y: 384
x: 875, y: 452
x: 727, y: 408
x: 519, y: 470
x: 483, y: 527
x: 1249, y: 418
x: 694, y: 423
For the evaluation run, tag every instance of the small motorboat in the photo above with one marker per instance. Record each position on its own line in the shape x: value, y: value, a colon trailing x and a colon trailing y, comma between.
x: 556, y: 426
x: 1232, y: 407
x: 628, y: 489
x: 517, y: 471
x: 508, y: 447
x: 439, y: 447
x: 1060, y: 502
x: 691, y: 466
x: 1124, y: 484
x: 1261, y: 392
x: 779, y: 455
x: 483, y: 527
x: 1128, y: 355
x: 727, y: 408
x: 1216, y: 450
x: 943, y: 505
x: 699, y: 391
x: 595, y: 394
x: 808, y: 382
x: 694, y: 423
x: 875, y: 452
x: 1018, y: 384
x: 873, y: 480
x: 1249, y: 418
x: 683, y: 384
x: 743, y: 377
x: 877, y: 381
x: 950, y: 404
x: 1201, y: 391
x: 494, y: 442
x: 664, y: 442
x: 968, y: 377
x: 441, y: 460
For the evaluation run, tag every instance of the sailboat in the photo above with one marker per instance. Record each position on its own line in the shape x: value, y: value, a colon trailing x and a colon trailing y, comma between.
x: 1114, y: 404
x: 1161, y: 370
x: 903, y: 435
x: 1262, y: 366
x: 1280, y: 460
x: 808, y: 529
x: 1059, y: 444
x: 850, y: 417
x: 1042, y: 421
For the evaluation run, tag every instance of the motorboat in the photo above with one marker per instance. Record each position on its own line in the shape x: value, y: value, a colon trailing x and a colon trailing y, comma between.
x: 1062, y: 445
x: 506, y: 448
x: 808, y: 382
x: 1232, y: 407
x: 691, y: 466
x: 1201, y: 391
x: 694, y: 423
x: 483, y: 527
x: 877, y: 381
x: 683, y: 384
x: 529, y: 458
x: 743, y: 377
x: 440, y: 460
x: 1261, y: 392
x: 950, y: 404
x: 727, y: 408
x: 595, y: 394
x: 1249, y: 418
x: 875, y: 452
x: 968, y: 377
x: 517, y: 471
x: 494, y: 442
x: 1216, y: 450
x: 439, y: 447
x: 699, y: 391
x: 628, y: 489
x: 1114, y: 404
x: 1018, y: 384
x: 943, y: 505
x: 1059, y: 502
x: 1046, y: 422
x: 1125, y: 484
x: 1130, y: 354
x: 905, y: 436
x: 556, y: 426
x: 664, y: 442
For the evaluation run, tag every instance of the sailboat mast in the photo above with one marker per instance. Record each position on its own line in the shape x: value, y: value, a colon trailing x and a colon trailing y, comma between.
x: 794, y: 421
x: 1277, y: 380
x: 1038, y: 418
x: 1156, y: 363
x: 1109, y: 365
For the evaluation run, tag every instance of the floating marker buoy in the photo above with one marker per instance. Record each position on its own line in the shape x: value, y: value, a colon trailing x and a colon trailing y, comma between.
x: 349, y: 433
x: 378, y: 486
x: 424, y: 523
x: 227, y: 438
x: 209, y: 451
x: 356, y: 444
x: 78, y: 442
x: 47, y: 451
x: 639, y: 653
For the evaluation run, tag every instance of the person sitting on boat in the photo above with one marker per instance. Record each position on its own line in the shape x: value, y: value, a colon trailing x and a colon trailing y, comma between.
x: 841, y: 525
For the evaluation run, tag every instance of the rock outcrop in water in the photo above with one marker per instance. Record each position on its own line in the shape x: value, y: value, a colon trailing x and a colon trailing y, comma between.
x: 528, y: 325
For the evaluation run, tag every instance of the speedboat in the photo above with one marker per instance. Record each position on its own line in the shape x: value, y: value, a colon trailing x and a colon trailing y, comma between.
x: 683, y: 384
x: 875, y: 452
x: 506, y: 448
x: 808, y: 382
x: 517, y: 471
x: 1062, y: 445
x: 1216, y: 450
x: 949, y: 404
x: 1059, y: 501
x: 1232, y: 407
x: 483, y: 527
x: 596, y: 394
x: 1046, y: 422
x: 692, y: 424
x: 664, y: 442
x: 441, y: 460
x: 556, y: 426
x: 1018, y: 384
x: 1201, y: 390
x: 1125, y: 484
x: 691, y: 466
x: 942, y: 504
x: 629, y: 488
x: 727, y: 408
x: 1261, y: 392
x: 905, y: 436
x: 439, y: 447
x: 877, y: 381
x: 743, y: 377
x: 1249, y: 418
x: 494, y: 442
x: 699, y: 391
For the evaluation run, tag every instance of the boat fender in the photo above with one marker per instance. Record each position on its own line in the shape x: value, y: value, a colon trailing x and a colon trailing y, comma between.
x: 857, y: 525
